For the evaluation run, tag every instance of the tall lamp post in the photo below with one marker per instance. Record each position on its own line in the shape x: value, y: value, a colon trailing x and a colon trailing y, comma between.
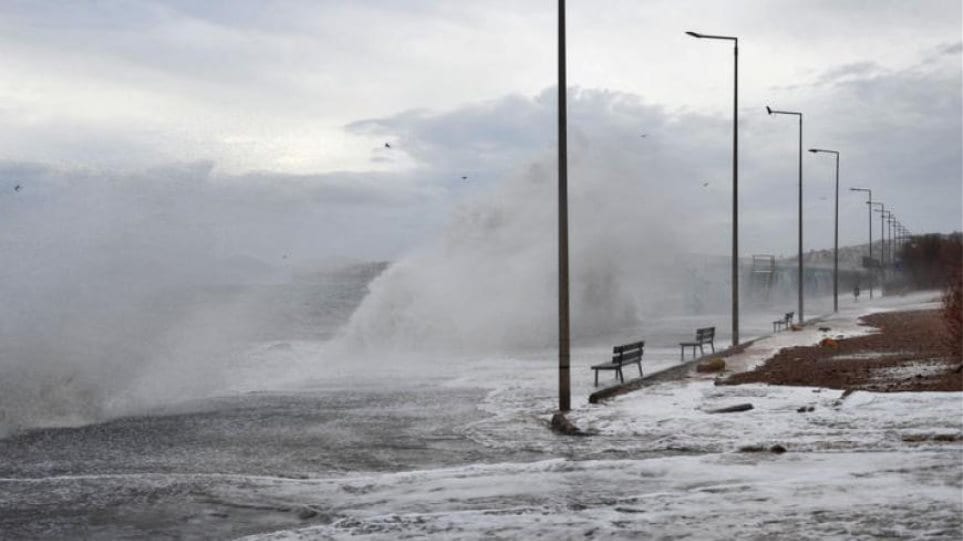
x: 735, y: 179
x: 870, y: 215
x: 882, y: 228
x: 891, y: 247
x: 882, y: 237
x: 891, y: 222
x: 564, y: 392
x: 835, y: 229
x: 800, y: 115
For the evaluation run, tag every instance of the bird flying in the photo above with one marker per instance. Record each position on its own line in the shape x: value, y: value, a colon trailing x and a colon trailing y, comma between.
x: 387, y: 145
x: 17, y: 188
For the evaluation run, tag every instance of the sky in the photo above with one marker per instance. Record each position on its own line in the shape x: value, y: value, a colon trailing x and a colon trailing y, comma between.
x: 271, y: 118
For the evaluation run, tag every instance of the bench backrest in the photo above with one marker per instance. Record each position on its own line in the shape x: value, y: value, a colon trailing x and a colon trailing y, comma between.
x: 706, y: 334
x: 789, y: 316
x: 628, y: 352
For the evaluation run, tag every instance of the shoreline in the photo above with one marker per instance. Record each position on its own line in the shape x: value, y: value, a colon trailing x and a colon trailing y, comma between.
x: 908, y: 351
x: 883, y: 349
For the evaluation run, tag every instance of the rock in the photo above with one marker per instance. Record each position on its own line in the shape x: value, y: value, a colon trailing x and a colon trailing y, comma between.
x: 804, y: 409
x: 829, y: 343
x: 562, y: 425
x: 732, y: 409
x: 796, y: 327
x: 825, y: 329
x: 306, y: 512
x: 839, y: 401
x: 778, y: 449
x: 712, y: 365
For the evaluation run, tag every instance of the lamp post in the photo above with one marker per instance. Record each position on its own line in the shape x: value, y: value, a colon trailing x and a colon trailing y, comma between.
x: 870, y: 215
x: 890, y: 222
x: 735, y: 179
x: 564, y: 390
x: 882, y: 229
x: 835, y: 229
x: 889, y: 234
x: 894, y: 233
x: 800, y: 115
x: 882, y: 241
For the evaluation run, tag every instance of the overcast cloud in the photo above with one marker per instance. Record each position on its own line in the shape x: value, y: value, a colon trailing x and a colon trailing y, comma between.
x: 281, y: 111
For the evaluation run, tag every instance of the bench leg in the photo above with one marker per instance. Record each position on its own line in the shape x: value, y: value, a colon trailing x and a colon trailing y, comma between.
x: 682, y: 353
x: 713, y: 346
x: 702, y: 351
x: 621, y: 377
x: 640, y: 369
x: 596, y: 378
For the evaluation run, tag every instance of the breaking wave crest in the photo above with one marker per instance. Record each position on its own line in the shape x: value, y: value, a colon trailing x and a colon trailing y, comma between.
x: 490, y: 282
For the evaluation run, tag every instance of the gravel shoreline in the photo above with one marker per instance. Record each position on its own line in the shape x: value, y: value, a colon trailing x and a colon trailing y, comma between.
x: 909, y: 353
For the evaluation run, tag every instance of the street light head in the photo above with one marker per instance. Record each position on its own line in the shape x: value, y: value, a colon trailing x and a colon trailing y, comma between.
x: 814, y: 150
x: 768, y: 110
x: 694, y: 34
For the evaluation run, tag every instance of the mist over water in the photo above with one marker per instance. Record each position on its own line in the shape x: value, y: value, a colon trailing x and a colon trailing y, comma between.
x: 637, y: 208
x: 490, y: 282
x: 125, y: 293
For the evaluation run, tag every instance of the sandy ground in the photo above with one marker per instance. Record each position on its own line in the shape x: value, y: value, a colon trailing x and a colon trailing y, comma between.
x: 908, y: 353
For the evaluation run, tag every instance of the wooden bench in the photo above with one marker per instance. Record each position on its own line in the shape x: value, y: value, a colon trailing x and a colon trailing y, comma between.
x: 703, y: 336
x: 621, y: 356
x: 783, y: 323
